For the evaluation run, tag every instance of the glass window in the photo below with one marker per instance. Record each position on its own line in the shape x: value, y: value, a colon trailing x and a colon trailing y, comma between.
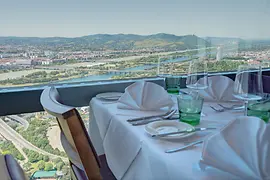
x: 71, y: 41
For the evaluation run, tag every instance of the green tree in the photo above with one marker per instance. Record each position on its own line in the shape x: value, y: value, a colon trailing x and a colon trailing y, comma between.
x: 60, y: 165
x: 48, y: 166
x: 57, y: 160
x: 46, y: 158
x: 41, y: 165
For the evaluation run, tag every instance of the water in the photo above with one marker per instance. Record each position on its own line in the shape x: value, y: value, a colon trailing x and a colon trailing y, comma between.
x: 259, y: 109
x: 173, y: 91
x: 137, y: 68
x: 109, y: 75
x: 264, y: 115
x: 190, y: 118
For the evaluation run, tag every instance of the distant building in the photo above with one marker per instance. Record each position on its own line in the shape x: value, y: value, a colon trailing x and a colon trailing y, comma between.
x: 49, y: 53
x: 59, y: 60
x: 46, y: 175
x: 24, y: 62
x: 219, y: 53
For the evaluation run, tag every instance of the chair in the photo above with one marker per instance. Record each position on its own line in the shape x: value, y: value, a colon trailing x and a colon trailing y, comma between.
x: 10, y: 169
x: 84, y: 161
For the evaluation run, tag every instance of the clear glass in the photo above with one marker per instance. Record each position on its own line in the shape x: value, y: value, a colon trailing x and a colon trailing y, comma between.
x: 165, y: 70
x: 260, y: 108
x: 190, y: 108
x: 248, y: 84
x: 172, y: 84
x: 164, y: 67
x: 197, y: 78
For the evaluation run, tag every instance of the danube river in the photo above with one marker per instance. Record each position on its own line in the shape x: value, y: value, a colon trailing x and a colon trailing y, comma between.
x: 109, y: 75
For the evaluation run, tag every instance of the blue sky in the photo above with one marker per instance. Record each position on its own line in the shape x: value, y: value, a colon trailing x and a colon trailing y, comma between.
x: 73, y: 18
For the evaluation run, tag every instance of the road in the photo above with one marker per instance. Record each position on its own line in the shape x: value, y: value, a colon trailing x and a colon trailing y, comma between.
x: 11, y: 135
x: 24, y: 122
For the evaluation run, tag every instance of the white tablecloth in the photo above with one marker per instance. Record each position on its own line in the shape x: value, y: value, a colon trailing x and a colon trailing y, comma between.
x: 132, y: 154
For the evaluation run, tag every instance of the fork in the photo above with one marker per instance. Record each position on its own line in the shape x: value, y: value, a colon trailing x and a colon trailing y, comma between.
x: 142, y: 122
x: 217, y: 110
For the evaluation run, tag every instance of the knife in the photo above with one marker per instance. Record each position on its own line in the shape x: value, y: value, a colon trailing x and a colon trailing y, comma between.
x: 184, y: 147
x: 152, y: 120
x: 148, y: 117
x: 185, y: 131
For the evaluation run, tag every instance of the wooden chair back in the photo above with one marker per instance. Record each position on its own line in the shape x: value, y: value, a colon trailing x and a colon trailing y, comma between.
x: 74, y: 137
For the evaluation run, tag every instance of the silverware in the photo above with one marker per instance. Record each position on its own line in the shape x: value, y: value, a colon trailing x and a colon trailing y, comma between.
x: 184, y: 147
x: 217, y: 110
x: 149, y: 121
x: 142, y: 122
x: 155, y: 116
x: 233, y: 107
x: 185, y: 131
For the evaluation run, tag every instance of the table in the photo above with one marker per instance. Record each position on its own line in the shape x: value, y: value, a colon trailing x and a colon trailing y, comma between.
x: 132, y: 154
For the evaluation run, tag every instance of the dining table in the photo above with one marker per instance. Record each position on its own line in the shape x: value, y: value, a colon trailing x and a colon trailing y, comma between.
x: 132, y: 154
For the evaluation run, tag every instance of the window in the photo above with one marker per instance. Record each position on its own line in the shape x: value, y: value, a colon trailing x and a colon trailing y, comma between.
x: 54, y: 45
x: 68, y: 41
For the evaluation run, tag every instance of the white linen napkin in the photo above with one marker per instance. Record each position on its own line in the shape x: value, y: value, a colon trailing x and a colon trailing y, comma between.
x: 220, y: 89
x: 145, y: 96
x: 242, y: 148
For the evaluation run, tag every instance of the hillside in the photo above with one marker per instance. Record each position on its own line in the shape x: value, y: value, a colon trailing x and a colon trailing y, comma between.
x: 222, y: 40
x: 112, y: 42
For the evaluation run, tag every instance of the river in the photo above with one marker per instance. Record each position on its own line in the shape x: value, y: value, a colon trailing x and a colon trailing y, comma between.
x: 109, y: 75
x: 144, y: 67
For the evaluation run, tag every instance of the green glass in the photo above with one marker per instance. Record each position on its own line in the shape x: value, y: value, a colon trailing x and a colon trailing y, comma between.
x: 190, y: 108
x: 260, y: 109
x: 172, y: 84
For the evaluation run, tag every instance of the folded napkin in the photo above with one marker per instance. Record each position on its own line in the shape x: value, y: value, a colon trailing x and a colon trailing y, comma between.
x: 145, y: 96
x: 242, y: 148
x: 220, y: 89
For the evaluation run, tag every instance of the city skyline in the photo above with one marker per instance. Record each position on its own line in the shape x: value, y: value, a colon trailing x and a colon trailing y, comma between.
x: 245, y: 19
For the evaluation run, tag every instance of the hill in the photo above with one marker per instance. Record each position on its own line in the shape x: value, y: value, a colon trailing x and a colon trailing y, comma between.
x: 112, y: 42
x: 223, y: 40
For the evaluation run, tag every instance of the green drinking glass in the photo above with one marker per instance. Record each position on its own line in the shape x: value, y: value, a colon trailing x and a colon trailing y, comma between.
x: 172, y: 84
x: 190, y: 108
x: 260, y: 109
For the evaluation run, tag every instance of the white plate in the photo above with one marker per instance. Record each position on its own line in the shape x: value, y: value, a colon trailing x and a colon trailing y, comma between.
x: 113, y: 96
x: 167, y: 126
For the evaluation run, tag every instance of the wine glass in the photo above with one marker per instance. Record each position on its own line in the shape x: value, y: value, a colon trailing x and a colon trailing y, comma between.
x: 197, y: 78
x: 165, y: 70
x: 248, y: 84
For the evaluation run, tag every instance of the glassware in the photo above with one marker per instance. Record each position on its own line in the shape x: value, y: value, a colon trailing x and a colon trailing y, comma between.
x: 190, y: 108
x: 172, y: 84
x: 260, y: 108
x: 165, y: 70
x: 197, y: 78
x: 248, y: 84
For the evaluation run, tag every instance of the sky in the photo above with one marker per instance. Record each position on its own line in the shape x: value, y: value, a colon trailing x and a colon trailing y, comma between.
x: 247, y: 19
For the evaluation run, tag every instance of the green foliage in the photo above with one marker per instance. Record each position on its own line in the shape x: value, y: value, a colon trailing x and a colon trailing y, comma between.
x: 27, y: 166
x: 37, y: 135
x: 48, y: 166
x: 41, y: 165
x: 8, y: 147
x: 60, y: 165
x: 46, y: 158
x: 57, y: 160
